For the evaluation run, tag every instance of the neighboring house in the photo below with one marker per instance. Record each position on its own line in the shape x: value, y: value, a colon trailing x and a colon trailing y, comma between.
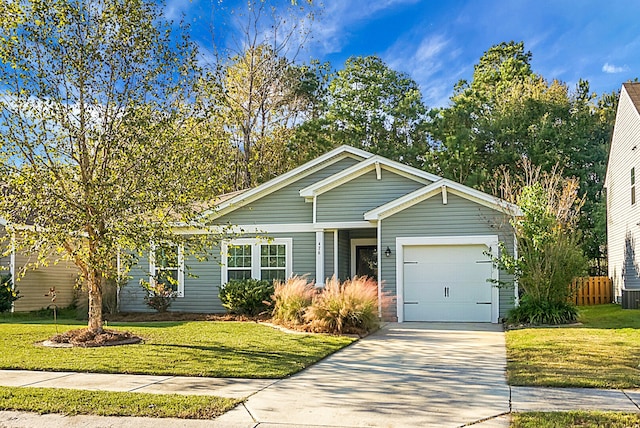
x: 623, y: 197
x: 35, y: 284
x: 349, y: 213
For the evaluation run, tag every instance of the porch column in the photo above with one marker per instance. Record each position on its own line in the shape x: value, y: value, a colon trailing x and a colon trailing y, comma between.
x: 320, y: 258
x: 335, y: 253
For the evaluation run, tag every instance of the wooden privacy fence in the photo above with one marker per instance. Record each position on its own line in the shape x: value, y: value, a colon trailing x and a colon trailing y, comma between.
x: 592, y: 290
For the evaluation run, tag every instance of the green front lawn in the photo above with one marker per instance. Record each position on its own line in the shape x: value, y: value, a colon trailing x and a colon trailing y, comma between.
x: 575, y: 419
x: 104, y: 403
x: 602, y: 352
x: 198, y: 348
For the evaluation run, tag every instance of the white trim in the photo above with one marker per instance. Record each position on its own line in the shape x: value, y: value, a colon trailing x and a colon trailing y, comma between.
x: 319, y: 249
x: 274, y: 228
x: 335, y: 253
x: 255, y: 254
x: 444, y: 195
x: 427, y: 192
x: 490, y: 241
x: 361, y: 168
x: 378, y: 171
x: 287, y: 178
x: 356, y: 242
x: 152, y: 267
x: 315, y: 210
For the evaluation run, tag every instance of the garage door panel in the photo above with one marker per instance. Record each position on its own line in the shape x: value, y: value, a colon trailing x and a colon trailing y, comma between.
x: 447, y: 283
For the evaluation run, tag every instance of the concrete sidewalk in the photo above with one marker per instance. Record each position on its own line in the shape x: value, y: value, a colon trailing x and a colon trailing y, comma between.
x: 221, y: 387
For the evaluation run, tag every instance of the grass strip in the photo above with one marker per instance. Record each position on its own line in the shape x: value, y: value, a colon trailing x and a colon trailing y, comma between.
x: 582, y: 419
x: 602, y: 352
x: 106, y: 403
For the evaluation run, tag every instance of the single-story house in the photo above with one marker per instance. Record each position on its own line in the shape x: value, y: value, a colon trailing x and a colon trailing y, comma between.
x: 34, y: 284
x: 426, y: 239
x: 623, y: 198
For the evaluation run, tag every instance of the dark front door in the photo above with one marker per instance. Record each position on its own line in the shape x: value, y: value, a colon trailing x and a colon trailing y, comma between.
x: 367, y: 261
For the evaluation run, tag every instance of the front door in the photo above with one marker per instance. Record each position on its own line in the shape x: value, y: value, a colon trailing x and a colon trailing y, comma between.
x: 367, y: 261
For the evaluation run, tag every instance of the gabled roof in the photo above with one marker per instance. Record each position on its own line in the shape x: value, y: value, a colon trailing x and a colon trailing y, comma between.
x: 442, y: 185
x: 374, y: 162
x: 287, y: 178
x: 633, y: 90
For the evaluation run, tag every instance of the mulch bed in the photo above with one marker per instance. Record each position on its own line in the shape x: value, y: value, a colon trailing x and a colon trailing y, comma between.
x: 178, y: 316
x: 88, y: 339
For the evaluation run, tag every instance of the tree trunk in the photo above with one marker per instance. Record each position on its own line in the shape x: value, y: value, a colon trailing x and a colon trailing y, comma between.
x: 94, y: 285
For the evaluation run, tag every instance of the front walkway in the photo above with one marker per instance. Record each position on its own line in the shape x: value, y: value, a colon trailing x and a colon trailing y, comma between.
x: 406, y: 375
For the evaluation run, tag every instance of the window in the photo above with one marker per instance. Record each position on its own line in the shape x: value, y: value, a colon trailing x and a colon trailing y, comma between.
x: 260, y: 259
x: 633, y: 186
x: 273, y: 261
x: 167, y: 267
x: 239, y: 262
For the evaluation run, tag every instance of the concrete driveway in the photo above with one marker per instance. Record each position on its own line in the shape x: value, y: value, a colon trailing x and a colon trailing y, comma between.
x: 405, y: 375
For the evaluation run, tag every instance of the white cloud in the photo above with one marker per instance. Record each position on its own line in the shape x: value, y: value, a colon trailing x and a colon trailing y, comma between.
x: 331, y: 27
x: 610, y: 68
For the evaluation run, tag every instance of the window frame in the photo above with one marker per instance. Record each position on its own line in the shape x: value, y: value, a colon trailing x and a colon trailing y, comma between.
x: 153, y: 269
x: 256, y: 244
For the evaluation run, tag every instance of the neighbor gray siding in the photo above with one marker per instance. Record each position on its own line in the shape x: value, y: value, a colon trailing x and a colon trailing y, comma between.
x: 351, y: 200
x: 284, y: 205
x: 623, y: 233
x: 460, y: 217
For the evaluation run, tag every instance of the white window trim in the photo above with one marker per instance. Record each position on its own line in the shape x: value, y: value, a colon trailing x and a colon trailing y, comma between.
x: 255, y: 254
x: 152, y: 267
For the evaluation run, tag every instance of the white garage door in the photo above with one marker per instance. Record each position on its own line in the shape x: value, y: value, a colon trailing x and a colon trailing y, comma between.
x: 447, y: 283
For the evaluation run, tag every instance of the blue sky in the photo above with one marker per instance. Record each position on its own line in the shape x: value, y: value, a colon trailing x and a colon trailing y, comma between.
x: 437, y: 42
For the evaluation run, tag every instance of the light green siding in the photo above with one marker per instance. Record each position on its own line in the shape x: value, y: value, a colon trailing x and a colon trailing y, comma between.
x: 460, y: 217
x: 284, y: 205
x: 344, y: 255
x: 328, y: 255
x: 351, y: 200
x: 203, y: 278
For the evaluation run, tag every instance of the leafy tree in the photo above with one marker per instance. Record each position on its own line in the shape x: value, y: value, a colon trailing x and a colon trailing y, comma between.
x: 549, y: 255
x: 376, y: 108
x: 259, y: 89
x: 506, y: 113
x: 94, y: 151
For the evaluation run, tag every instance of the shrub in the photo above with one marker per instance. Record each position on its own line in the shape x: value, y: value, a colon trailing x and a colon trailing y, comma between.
x: 159, y: 296
x: 538, y: 312
x: 348, y: 307
x: 291, y: 300
x: 8, y: 295
x: 246, y: 296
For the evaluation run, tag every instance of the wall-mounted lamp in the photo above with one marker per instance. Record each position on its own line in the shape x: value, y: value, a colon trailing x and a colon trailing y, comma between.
x: 387, y: 252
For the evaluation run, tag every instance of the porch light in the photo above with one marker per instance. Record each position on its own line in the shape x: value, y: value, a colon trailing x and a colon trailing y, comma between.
x: 387, y: 252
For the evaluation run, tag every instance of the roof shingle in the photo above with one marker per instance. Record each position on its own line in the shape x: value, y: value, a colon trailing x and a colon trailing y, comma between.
x: 633, y: 89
